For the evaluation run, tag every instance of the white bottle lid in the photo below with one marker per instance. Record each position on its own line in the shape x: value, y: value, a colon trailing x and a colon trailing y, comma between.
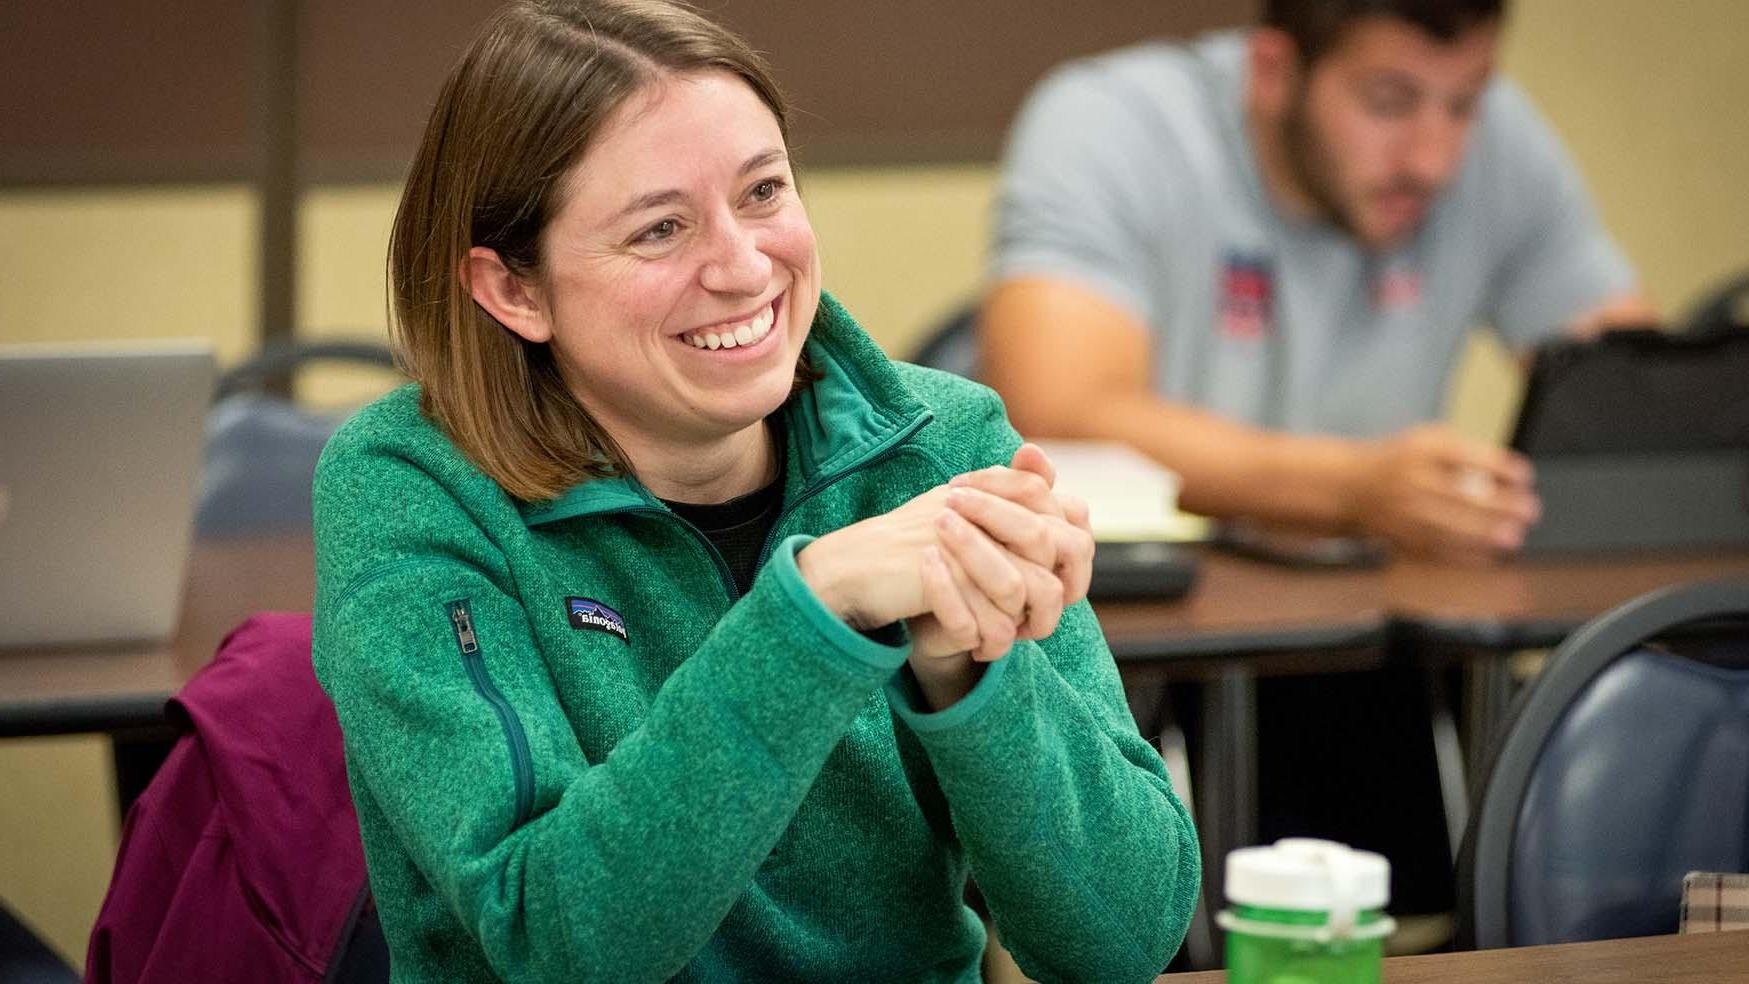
x: 1309, y: 875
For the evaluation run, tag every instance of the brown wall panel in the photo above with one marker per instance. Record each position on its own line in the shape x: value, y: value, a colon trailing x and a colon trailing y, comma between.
x: 370, y: 71
x: 872, y: 82
x: 139, y: 90
x: 910, y: 79
x: 101, y: 90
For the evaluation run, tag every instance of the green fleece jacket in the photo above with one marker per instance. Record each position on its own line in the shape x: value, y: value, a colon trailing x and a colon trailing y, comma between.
x: 578, y: 756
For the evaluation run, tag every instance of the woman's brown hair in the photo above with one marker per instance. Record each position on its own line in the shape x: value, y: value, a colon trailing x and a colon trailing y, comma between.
x: 516, y: 113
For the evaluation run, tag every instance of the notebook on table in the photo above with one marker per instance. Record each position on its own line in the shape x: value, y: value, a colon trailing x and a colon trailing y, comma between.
x: 99, y: 460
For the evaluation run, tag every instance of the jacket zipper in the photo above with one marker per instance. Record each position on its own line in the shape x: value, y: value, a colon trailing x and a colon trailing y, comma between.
x: 722, y: 566
x: 461, y: 619
x: 874, y: 456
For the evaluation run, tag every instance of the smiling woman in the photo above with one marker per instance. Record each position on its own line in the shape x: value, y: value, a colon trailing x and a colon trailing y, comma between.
x: 679, y: 239
x: 674, y: 631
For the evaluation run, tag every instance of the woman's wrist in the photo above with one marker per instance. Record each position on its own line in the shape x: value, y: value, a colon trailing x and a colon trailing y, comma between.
x: 943, y: 681
x: 828, y: 580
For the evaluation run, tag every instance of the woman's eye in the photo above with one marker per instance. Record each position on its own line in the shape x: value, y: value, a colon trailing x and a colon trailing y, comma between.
x: 766, y: 190
x: 664, y: 229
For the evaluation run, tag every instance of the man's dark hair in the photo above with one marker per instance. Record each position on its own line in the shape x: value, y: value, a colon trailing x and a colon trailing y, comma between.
x: 1317, y: 25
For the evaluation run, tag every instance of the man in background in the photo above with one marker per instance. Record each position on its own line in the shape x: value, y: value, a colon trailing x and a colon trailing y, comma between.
x: 1256, y: 257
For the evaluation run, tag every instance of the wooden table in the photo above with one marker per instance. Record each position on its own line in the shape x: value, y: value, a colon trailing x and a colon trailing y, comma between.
x: 1242, y: 618
x: 1536, y: 603
x: 1240, y: 612
x: 1241, y: 607
x: 1702, y: 958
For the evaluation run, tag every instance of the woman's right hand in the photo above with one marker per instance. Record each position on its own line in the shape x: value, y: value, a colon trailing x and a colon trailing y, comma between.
x: 984, y: 562
x: 966, y: 596
x: 870, y: 573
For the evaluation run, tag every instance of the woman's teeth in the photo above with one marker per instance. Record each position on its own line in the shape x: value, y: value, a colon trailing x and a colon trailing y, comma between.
x: 731, y: 336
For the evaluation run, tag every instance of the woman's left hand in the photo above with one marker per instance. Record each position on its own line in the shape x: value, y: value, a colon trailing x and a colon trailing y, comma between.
x: 1058, y: 534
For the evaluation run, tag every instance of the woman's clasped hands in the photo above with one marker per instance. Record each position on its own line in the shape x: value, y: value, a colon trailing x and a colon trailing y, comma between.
x: 974, y: 565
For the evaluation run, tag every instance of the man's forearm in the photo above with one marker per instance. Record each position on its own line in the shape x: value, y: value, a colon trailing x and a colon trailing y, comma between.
x: 1228, y: 468
x: 1072, y: 364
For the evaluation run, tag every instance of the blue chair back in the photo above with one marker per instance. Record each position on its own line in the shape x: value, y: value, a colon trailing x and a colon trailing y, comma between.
x: 1644, y: 779
x: 261, y: 449
x: 1625, y: 767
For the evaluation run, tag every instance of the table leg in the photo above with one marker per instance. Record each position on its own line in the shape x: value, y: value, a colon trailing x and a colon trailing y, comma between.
x: 1488, y: 687
x: 1228, y: 775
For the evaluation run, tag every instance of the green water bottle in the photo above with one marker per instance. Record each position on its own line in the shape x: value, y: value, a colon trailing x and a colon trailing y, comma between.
x: 1304, y: 911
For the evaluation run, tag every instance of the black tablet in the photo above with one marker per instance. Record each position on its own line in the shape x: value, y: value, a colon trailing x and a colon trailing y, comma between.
x: 1640, y: 440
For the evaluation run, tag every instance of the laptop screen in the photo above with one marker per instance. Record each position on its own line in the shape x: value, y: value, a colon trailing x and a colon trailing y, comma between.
x: 102, y: 456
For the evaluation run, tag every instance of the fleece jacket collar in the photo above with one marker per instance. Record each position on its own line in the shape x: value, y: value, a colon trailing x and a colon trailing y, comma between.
x: 855, y: 411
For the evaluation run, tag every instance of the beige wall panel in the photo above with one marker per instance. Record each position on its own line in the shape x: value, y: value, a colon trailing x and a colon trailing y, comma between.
x: 58, y: 834
x: 902, y: 247
x: 344, y: 240
x: 1486, y: 388
x: 129, y: 263
x: 1650, y: 98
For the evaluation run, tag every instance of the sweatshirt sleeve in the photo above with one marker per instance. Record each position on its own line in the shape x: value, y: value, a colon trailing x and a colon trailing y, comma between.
x: 620, y: 869
x: 1089, y: 862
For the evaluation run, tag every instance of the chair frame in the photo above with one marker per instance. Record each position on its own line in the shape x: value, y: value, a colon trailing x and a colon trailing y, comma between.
x: 274, y: 365
x: 1572, y: 667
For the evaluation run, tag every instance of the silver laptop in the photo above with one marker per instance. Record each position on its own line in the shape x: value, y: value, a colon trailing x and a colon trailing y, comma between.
x: 100, y: 452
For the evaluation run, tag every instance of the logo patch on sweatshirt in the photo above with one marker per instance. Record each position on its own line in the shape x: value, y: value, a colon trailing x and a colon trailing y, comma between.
x: 587, y: 613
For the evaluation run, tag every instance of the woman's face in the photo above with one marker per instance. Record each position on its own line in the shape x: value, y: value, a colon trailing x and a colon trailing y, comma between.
x: 680, y: 274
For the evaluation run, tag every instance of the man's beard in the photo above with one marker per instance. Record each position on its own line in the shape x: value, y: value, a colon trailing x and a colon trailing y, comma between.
x: 1313, y: 167
x: 1309, y: 161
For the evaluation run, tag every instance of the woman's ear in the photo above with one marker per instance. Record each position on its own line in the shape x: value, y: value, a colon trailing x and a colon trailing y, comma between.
x: 505, y: 295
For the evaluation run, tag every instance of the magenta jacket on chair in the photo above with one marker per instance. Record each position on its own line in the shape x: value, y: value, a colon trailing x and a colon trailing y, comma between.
x: 241, y: 861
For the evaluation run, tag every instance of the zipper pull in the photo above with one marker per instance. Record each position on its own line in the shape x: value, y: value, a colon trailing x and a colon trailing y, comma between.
x: 464, y: 627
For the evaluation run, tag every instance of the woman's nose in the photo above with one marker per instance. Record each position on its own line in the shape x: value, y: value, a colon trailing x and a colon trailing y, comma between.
x: 735, y: 264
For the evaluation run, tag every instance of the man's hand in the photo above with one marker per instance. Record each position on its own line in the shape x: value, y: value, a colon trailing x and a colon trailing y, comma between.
x: 1432, y: 492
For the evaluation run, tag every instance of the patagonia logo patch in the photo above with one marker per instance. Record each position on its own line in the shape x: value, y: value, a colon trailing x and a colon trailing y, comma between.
x: 586, y: 613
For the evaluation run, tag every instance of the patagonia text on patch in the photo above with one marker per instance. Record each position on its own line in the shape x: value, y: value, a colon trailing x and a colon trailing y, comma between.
x: 586, y: 613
